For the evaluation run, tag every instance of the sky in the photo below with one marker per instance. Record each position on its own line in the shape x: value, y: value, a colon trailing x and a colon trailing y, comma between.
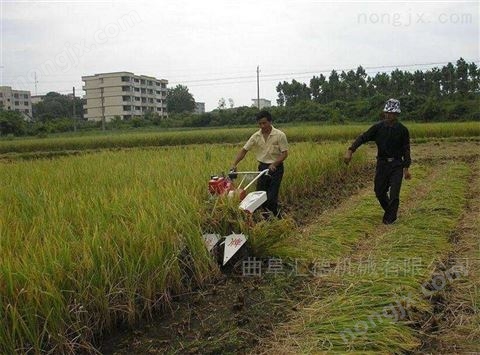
x: 214, y: 47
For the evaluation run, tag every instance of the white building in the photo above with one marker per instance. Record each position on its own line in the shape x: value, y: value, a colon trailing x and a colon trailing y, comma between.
x: 123, y: 94
x: 16, y: 100
x: 37, y: 98
x: 199, y: 107
x: 263, y: 103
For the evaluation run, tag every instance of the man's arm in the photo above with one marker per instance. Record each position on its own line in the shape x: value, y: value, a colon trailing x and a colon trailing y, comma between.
x: 407, y: 160
x: 241, y: 154
x: 361, y: 139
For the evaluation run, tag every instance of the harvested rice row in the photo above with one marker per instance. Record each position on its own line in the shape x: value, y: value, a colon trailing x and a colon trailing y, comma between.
x: 337, y: 232
x: 379, y: 301
x: 459, y: 316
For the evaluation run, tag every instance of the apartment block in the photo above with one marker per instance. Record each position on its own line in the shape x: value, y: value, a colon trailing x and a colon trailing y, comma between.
x: 16, y: 100
x: 123, y: 94
x: 264, y: 103
x: 199, y: 107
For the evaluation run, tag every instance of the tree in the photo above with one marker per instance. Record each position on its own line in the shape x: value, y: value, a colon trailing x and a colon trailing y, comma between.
x: 292, y: 93
x: 463, y: 85
x: 474, y: 74
x: 222, y: 103
x: 180, y: 100
x: 448, y: 79
x: 317, y: 87
x: 55, y: 106
x: 231, y: 103
x: 12, y: 122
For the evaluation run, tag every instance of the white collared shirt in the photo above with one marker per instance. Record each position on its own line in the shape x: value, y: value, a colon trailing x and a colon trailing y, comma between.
x: 267, y: 151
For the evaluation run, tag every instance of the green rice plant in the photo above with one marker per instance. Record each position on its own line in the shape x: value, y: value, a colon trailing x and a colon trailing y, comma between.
x: 89, y: 243
x: 299, y: 133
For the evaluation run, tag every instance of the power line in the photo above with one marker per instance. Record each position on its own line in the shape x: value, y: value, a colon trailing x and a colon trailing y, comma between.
x: 233, y: 80
x: 251, y: 77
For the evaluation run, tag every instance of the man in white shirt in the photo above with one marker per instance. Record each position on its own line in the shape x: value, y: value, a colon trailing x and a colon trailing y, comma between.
x: 271, y: 149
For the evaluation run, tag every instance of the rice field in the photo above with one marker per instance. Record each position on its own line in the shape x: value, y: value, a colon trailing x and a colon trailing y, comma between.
x: 93, y: 243
x: 319, y: 133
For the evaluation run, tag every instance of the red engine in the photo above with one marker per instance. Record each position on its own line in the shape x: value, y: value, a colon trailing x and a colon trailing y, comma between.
x: 219, y: 185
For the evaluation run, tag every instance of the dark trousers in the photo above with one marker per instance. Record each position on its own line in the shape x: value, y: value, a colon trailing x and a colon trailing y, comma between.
x: 388, y: 181
x: 270, y: 184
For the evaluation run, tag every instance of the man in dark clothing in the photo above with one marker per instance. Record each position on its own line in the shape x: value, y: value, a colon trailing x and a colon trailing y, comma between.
x: 393, y: 158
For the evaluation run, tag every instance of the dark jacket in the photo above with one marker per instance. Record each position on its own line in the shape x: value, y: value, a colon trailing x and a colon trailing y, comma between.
x: 392, y: 141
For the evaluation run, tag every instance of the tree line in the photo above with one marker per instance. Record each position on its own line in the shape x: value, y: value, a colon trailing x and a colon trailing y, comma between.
x: 461, y: 79
x: 449, y: 93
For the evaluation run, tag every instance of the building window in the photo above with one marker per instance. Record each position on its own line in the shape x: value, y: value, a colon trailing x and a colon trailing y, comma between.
x: 144, y: 99
x: 126, y: 98
x: 158, y: 100
x: 137, y: 108
x: 142, y: 81
x: 164, y: 86
x: 25, y: 103
x: 101, y: 80
x: 150, y: 91
x: 126, y: 88
x: 27, y: 111
x: 15, y: 96
x: 143, y: 91
x: 159, y: 109
x: 137, y: 89
x: 150, y: 100
x: 127, y: 108
x: 16, y: 103
x: 137, y: 99
x: 25, y: 96
x: 125, y: 78
x: 1, y: 94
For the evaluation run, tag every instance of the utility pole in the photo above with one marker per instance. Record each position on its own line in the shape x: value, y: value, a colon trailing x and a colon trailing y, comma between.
x: 74, y: 113
x: 36, y: 81
x: 258, y: 87
x: 103, y: 109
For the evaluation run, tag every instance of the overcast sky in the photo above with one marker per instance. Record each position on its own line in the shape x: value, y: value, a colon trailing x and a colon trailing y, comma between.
x: 214, y: 47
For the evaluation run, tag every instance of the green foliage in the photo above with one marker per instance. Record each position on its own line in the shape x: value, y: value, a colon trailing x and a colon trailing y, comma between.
x: 459, y: 80
x: 57, y: 106
x: 180, y: 100
x: 12, y: 123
